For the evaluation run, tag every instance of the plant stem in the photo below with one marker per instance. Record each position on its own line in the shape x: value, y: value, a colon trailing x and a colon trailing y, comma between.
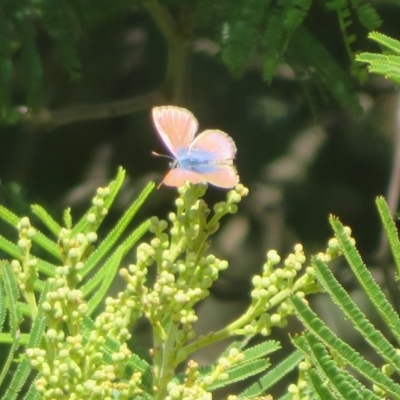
x: 253, y: 312
x: 52, y: 119
x: 178, y: 37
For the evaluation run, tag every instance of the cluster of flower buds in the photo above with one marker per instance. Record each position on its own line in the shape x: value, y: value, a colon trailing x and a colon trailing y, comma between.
x: 25, y: 269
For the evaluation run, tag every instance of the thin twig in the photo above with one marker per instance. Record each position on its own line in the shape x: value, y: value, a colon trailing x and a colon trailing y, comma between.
x: 394, y: 185
x: 394, y: 182
x: 178, y: 35
x: 382, y: 254
x: 163, y: 19
x: 52, y: 119
x: 173, y: 88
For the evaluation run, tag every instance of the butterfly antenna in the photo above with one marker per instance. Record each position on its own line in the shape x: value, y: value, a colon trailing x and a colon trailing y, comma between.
x: 159, y: 185
x: 161, y: 155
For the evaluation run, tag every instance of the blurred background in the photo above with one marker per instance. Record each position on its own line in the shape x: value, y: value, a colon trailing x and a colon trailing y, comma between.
x: 302, y: 158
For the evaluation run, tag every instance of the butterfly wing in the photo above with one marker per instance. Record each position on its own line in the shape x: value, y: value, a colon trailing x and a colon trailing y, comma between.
x: 224, y: 176
x: 215, y: 151
x: 178, y: 176
x: 176, y: 127
x: 215, y: 144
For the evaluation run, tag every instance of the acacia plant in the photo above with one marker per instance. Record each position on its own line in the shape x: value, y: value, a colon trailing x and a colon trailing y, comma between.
x: 67, y: 338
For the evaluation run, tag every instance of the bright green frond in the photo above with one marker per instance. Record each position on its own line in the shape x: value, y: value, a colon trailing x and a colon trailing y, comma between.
x: 346, y: 353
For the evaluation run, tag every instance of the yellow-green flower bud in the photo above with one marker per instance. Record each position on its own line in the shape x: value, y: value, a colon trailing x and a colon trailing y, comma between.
x: 91, y: 218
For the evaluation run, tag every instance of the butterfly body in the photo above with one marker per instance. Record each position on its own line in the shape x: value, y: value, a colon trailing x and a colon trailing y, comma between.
x: 207, y: 157
x: 198, y: 160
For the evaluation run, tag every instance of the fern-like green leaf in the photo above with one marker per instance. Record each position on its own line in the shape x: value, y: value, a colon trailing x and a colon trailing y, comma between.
x: 114, y: 187
x: 242, y: 372
x: 12, y: 293
x: 260, y: 350
x: 319, y: 387
x: 287, y: 396
x: 380, y: 59
x: 38, y: 327
x: 311, y: 59
x: 369, y: 285
x: 382, y: 64
x: 355, y: 361
x: 95, y: 281
x: 366, y: 14
x: 340, y: 381
x: 272, y: 377
x: 22, y: 373
x: 88, y: 323
x: 67, y: 218
x: 7, y: 363
x: 47, y: 219
x: 282, y: 23
x: 389, y: 73
x: 8, y: 216
x: 3, y: 308
x: 135, y: 362
x: 18, y: 381
x: 7, y: 338
x: 46, y: 268
x: 375, y: 338
x: 42, y: 240
x: 390, y: 229
x: 117, y: 231
x: 386, y: 41
x: 32, y: 393
x: 274, y: 40
x: 241, y: 33
x: 32, y: 68
x: 342, y: 9
x: 46, y: 244
x: 295, y: 14
x: 56, y: 17
x: 10, y: 248
x: 134, y: 237
x: 138, y: 364
x: 109, y: 270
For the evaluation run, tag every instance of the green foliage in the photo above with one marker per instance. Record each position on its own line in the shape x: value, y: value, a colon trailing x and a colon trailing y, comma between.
x: 6, y: 67
x: 329, y: 361
x: 59, y: 26
x: 282, y: 22
x: 66, y: 339
x: 22, y: 36
x: 387, y: 64
x: 366, y: 15
x: 19, y: 29
x: 59, y: 277
x: 267, y: 381
x: 241, y: 33
x: 270, y: 31
x: 92, y: 13
x: 275, y: 32
x: 318, y: 72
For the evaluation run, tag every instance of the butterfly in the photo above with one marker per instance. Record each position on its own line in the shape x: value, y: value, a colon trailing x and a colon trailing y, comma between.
x: 208, y: 157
